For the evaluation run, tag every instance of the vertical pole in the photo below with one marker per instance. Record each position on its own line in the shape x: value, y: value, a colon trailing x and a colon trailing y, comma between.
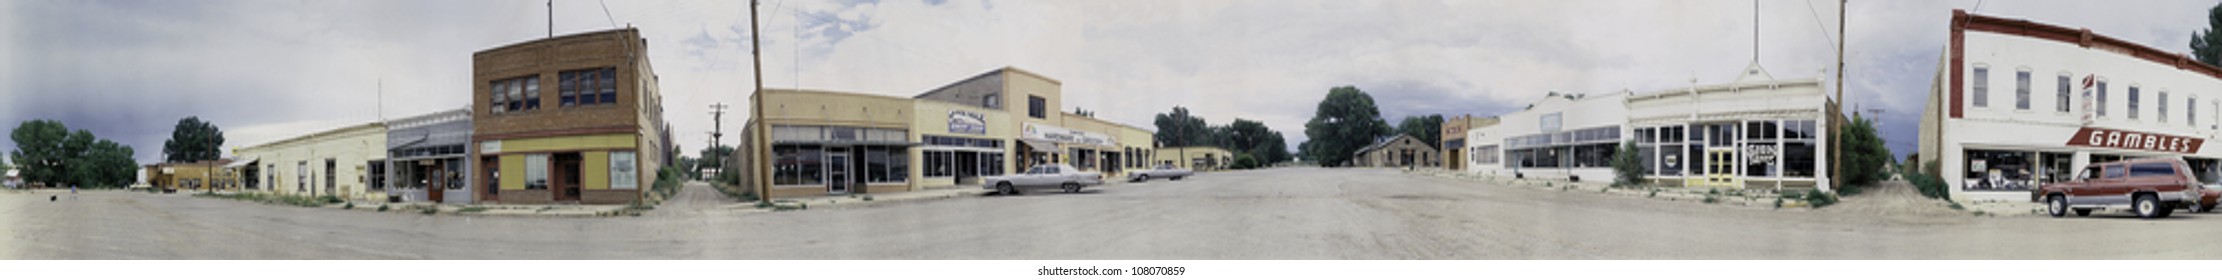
x: 551, y: 18
x: 1836, y: 166
x: 763, y: 130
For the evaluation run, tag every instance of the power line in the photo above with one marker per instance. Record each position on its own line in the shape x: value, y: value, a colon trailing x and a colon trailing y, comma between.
x: 606, y: 13
x: 1818, y: 23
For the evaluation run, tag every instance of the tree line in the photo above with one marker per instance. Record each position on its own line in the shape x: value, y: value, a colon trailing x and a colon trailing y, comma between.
x: 1253, y: 143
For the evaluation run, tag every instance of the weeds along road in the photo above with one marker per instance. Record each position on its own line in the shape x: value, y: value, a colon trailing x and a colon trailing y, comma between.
x: 1289, y: 213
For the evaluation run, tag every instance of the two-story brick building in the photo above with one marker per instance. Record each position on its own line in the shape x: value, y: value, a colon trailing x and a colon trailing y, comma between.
x: 573, y: 118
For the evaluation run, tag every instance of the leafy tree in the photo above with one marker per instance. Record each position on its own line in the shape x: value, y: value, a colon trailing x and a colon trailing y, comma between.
x: 713, y: 157
x: 1180, y: 129
x: 1427, y: 128
x: 2206, y: 45
x: 1865, y: 157
x: 50, y: 153
x: 1245, y: 161
x: 686, y: 164
x: 1344, y: 122
x: 1255, y: 139
x: 193, y: 140
x: 1626, y: 166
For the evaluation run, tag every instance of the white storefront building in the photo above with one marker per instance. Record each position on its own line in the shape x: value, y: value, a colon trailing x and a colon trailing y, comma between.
x: 1756, y: 132
x: 2018, y: 104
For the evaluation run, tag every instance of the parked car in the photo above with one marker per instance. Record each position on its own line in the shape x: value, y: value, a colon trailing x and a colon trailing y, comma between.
x: 2151, y: 188
x: 1167, y: 171
x: 1043, y: 176
x: 2208, y: 194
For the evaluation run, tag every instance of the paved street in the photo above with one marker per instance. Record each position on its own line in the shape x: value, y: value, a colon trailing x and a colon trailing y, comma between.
x: 1291, y: 213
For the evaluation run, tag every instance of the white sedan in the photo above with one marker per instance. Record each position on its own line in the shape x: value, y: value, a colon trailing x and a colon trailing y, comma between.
x: 1043, y: 176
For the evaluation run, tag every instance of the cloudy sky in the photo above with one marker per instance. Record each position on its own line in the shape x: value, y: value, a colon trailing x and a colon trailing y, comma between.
x: 266, y: 70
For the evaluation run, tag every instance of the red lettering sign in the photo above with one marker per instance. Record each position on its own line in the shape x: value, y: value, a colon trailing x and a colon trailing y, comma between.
x: 2118, y: 139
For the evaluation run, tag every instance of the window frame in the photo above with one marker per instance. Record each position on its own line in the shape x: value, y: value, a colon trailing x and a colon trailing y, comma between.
x: 1980, y: 79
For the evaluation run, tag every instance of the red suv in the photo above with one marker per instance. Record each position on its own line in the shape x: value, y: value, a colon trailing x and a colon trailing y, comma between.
x: 2152, y: 188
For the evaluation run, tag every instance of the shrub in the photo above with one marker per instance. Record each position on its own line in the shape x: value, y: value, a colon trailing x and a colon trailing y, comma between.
x: 1709, y: 199
x: 1627, y: 168
x: 472, y: 209
x: 381, y: 208
x: 430, y: 210
x: 1819, y: 199
x: 1865, y: 157
x: 330, y: 199
x: 350, y: 205
x: 1929, y: 185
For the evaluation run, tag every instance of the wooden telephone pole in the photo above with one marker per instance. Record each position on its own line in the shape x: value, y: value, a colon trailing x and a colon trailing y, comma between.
x: 756, y: 102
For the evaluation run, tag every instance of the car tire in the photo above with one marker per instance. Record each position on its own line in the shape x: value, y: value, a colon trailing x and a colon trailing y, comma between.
x: 1144, y: 178
x: 1072, y: 188
x: 2146, y: 206
x: 2056, y: 205
x: 1005, y: 189
x: 1176, y: 178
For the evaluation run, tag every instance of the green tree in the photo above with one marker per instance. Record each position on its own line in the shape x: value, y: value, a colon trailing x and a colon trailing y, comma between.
x: 1245, y: 161
x: 49, y: 153
x: 713, y: 157
x: 2206, y: 45
x: 1627, y: 168
x: 1255, y: 139
x: 1427, y: 128
x: 1865, y: 157
x: 193, y: 140
x: 1344, y: 122
x: 1181, y: 129
x: 686, y: 164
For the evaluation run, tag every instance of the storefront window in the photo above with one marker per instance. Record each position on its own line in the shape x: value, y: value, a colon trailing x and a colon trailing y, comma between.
x: 624, y: 173
x: 536, y: 171
x: 940, y: 164
x: 1993, y: 170
x: 875, y: 165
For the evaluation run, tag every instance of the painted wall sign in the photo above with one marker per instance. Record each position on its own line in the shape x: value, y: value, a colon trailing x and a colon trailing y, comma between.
x: 490, y: 147
x: 2109, y: 138
x: 1064, y: 135
x: 967, y: 122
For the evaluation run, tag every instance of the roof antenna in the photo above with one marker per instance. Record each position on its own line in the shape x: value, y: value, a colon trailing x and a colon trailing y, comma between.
x: 551, y: 18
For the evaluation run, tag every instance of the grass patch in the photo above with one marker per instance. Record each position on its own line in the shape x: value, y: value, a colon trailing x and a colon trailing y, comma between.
x: 1654, y: 193
x: 350, y: 206
x: 382, y: 208
x: 430, y: 210
x: 1956, y: 206
x: 472, y: 209
x: 1709, y: 199
x: 867, y: 198
x: 1819, y: 199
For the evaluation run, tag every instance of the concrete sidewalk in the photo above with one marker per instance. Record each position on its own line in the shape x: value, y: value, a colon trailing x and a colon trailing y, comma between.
x: 424, y: 208
x: 861, y: 200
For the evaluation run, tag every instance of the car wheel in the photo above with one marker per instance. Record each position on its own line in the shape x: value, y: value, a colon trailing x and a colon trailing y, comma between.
x: 2082, y: 212
x: 1176, y: 178
x: 2146, y: 205
x: 2056, y: 205
x: 1072, y: 188
x: 1144, y: 178
x: 1005, y: 189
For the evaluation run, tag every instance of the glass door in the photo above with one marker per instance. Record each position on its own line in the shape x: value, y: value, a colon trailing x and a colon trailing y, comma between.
x: 837, y: 171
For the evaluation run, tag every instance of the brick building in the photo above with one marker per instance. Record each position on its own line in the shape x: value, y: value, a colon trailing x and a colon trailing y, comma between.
x: 573, y: 118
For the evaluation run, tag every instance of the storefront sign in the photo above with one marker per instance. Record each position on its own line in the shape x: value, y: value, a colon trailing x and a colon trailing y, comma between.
x: 967, y: 122
x: 1063, y: 135
x: 1758, y: 154
x: 2108, y: 138
x: 490, y: 147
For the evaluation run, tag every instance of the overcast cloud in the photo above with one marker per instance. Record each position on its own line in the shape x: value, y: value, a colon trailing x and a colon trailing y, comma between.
x: 266, y: 70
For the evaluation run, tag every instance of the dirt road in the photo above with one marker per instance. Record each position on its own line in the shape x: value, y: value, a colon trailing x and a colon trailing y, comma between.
x: 1294, y: 213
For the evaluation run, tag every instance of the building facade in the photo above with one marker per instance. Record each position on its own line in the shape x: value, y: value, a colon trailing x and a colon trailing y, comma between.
x: 429, y: 158
x: 1454, y: 139
x: 342, y: 162
x: 827, y: 143
x: 1756, y: 132
x: 2019, y: 103
x: 1400, y: 151
x: 1193, y: 158
x: 193, y: 176
x: 568, y: 119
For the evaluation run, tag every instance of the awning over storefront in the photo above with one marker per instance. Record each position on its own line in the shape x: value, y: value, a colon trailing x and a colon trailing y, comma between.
x: 242, y: 163
x: 847, y: 143
x: 1039, y: 145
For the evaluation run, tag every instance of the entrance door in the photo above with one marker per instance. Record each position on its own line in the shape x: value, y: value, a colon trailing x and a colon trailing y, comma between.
x: 837, y: 171
x: 968, y: 167
x: 1720, y: 168
x: 566, y: 175
x: 434, y: 190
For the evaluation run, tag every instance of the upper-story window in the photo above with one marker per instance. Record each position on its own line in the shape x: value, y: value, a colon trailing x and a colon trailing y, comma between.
x: 515, y: 94
x: 1037, y: 107
x: 2133, y: 102
x: 1982, y: 83
x: 2021, y: 89
x: 2101, y: 97
x: 588, y: 86
x: 2061, y: 101
x: 2191, y: 111
x: 992, y: 101
x: 2162, y: 106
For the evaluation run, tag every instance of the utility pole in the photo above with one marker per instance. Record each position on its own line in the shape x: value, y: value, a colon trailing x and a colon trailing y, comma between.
x: 551, y: 18
x: 717, y: 131
x: 1836, y: 165
x: 762, y: 135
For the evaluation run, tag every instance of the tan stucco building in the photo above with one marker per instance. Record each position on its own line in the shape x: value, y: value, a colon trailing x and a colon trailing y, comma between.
x: 340, y: 162
x: 994, y: 123
x: 573, y: 118
x: 1194, y: 158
